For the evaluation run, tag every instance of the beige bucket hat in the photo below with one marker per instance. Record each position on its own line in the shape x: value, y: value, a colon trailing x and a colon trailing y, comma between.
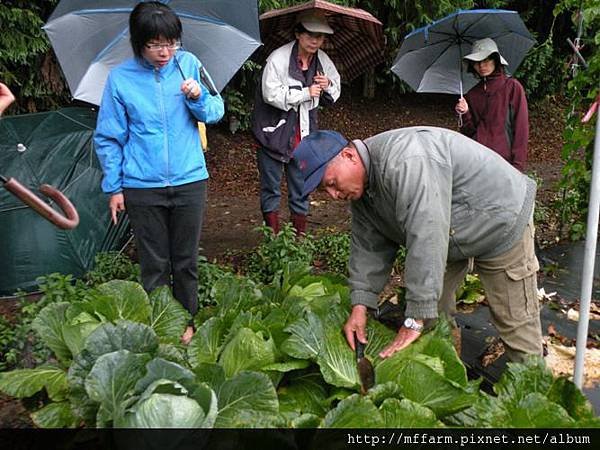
x: 315, y: 23
x: 482, y: 49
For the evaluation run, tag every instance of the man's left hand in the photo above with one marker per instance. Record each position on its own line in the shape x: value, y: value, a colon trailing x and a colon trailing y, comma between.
x: 403, y: 339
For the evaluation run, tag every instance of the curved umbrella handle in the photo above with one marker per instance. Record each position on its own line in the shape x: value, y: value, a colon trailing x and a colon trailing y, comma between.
x: 43, y: 209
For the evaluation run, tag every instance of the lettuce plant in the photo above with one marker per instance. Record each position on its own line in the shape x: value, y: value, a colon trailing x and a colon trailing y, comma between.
x: 267, y: 356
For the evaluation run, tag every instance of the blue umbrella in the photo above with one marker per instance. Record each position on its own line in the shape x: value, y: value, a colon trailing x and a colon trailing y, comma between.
x: 90, y: 37
x: 430, y: 58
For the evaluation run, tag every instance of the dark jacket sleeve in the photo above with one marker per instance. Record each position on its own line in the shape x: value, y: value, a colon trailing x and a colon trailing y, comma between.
x: 520, y: 113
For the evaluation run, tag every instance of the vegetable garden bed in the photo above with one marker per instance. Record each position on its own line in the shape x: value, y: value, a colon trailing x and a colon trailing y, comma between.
x: 264, y: 355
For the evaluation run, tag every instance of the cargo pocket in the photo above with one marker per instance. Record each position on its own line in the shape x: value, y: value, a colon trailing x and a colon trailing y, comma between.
x: 522, y: 289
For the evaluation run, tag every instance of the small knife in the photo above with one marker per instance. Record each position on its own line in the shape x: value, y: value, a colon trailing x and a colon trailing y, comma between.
x: 364, y: 366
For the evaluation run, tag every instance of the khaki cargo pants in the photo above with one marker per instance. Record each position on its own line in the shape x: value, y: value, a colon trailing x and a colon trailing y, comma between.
x: 510, y: 285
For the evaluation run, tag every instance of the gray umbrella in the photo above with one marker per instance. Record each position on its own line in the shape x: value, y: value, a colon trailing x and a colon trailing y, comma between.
x: 430, y: 58
x: 91, y: 37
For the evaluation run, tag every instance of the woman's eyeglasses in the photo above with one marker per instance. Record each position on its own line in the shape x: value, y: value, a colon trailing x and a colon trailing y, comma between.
x: 158, y: 47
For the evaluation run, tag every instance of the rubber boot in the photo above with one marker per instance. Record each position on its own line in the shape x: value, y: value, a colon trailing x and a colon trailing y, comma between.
x: 299, y: 223
x: 272, y: 220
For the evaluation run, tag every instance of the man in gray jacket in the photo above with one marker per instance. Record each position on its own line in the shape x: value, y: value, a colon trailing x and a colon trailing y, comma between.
x: 446, y: 198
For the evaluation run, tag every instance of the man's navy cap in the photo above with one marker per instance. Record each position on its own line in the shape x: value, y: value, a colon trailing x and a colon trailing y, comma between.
x: 314, y: 153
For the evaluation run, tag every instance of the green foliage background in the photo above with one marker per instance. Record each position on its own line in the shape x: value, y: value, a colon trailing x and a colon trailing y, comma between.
x: 582, y: 90
x: 28, y: 65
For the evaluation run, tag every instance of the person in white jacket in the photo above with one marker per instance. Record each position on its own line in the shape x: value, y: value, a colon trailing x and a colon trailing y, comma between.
x: 297, y: 78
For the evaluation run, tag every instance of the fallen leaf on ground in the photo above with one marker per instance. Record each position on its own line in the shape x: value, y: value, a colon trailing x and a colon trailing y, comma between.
x: 493, y: 351
x: 573, y: 314
x: 543, y: 295
x: 561, y: 361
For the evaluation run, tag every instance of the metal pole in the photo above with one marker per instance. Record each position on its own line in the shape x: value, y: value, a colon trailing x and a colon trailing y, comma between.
x: 587, y: 277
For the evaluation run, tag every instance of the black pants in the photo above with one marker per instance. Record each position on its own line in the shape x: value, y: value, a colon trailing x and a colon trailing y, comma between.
x: 166, y: 223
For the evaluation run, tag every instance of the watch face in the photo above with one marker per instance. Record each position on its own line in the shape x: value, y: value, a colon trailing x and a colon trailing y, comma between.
x: 412, y: 324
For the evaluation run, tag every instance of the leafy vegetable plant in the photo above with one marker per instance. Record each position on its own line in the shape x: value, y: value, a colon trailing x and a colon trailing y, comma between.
x: 268, y: 356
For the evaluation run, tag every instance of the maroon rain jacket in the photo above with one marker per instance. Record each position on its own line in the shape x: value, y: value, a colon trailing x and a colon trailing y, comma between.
x: 498, y: 117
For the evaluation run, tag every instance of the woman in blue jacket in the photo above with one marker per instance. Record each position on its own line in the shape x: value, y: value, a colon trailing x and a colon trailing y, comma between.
x: 148, y: 143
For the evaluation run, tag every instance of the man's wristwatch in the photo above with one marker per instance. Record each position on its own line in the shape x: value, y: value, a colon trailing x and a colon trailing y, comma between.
x: 412, y: 324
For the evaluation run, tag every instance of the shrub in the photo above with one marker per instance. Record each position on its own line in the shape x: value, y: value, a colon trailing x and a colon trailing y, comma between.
x: 332, y: 251
x: 208, y: 275
x: 276, y: 252
x: 112, y: 266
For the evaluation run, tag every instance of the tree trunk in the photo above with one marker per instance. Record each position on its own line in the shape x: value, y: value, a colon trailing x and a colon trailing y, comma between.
x: 369, y: 83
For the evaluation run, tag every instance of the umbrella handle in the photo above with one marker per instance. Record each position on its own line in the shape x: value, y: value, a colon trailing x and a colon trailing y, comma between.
x: 206, y: 81
x: 69, y: 221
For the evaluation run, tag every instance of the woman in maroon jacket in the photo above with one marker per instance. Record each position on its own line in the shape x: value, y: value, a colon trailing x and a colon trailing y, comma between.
x: 494, y: 112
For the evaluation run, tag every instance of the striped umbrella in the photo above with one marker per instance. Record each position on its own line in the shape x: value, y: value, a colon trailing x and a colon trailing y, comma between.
x: 356, y: 44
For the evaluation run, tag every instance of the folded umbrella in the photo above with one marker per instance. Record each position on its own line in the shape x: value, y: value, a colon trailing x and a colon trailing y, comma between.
x: 430, y: 58
x: 91, y: 37
x: 356, y: 43
x: 68, y: 221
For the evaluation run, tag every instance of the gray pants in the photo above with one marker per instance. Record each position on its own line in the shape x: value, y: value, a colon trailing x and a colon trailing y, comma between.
x: 166, y: 223
x: 271, y: 172
x: 510, y: 285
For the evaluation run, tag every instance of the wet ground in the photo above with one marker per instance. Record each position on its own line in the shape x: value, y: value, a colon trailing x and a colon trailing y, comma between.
x: 562, y: 274
x: 565, y: 263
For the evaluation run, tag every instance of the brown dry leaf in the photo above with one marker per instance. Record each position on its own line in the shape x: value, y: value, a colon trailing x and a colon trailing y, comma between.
x: 493, y: 351
x: 465, y: 308
x: 561, y: 361
x: 552, y: 330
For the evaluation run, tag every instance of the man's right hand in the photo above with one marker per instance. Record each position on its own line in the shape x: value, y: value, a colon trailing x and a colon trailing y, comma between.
x: 357, y: 322
x: 116, y: 204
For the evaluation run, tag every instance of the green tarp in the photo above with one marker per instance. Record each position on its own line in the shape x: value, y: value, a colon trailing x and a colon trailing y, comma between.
x: 55, y: 148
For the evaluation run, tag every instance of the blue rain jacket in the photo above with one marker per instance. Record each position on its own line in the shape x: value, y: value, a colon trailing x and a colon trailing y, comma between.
x: 147, y: 130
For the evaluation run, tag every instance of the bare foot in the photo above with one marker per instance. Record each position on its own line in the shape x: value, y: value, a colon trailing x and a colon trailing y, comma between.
x: 187, y: 335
